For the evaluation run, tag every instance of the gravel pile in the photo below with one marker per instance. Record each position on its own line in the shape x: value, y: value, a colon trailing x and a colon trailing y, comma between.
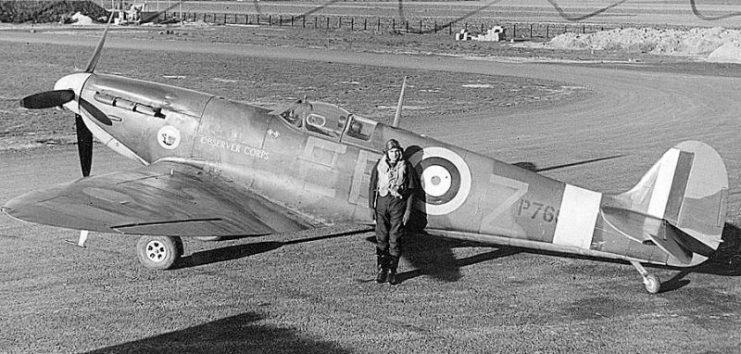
x: 711, y: 44
x: 48, y: 11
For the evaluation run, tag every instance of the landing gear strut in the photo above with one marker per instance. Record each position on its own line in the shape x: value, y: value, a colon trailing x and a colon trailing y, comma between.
x: 651, y: 281
x: 159, y: 252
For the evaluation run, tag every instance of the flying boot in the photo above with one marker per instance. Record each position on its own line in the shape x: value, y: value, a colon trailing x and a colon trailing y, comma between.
x: 382, y: 268
x: 393, y: 264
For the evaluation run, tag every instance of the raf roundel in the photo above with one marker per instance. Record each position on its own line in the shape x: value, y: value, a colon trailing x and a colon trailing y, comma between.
x: 168, y: 137
x: 445, y: 177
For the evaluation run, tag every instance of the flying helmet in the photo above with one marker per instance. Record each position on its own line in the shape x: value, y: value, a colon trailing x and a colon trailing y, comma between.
x: 393, y: 144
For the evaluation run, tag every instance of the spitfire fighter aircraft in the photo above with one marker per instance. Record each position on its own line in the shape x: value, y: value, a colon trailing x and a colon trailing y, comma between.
x: 219, y: 168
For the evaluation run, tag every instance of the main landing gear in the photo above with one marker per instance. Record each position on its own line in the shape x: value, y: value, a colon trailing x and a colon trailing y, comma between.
x: 651, y: 281
x: 159, y: 252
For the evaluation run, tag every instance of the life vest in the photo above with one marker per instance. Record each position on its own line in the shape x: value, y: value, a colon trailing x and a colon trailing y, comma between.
x: 391, y: 179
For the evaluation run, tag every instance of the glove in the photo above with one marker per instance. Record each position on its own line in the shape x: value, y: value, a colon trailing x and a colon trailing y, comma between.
x: 373, y: 215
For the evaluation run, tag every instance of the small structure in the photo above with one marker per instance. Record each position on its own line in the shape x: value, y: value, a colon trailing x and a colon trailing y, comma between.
x: 494, y: 34
x: 463, y: 35
x: 126, y: 13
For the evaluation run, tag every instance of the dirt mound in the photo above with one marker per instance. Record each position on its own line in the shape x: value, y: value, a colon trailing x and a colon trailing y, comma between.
x: 48, y: 11
x: 712, y: 44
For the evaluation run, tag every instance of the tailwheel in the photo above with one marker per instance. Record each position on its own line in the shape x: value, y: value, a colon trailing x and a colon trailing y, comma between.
x: 651, y: 281
x: 159, y: 252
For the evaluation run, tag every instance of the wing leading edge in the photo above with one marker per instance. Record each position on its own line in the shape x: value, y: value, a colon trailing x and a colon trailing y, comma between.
x: 165, y: 198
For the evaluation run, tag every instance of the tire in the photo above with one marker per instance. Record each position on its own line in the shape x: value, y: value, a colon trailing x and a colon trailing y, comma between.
x: 652, y: 283
x: 159, y: 252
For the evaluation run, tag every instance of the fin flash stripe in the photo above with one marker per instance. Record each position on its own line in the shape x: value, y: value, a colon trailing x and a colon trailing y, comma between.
x: 577, y: 217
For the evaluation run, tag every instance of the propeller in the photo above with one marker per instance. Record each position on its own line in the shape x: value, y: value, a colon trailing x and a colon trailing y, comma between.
x: 56, y: 98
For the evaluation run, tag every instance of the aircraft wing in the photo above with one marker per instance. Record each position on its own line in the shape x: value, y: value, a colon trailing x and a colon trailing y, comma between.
x: 165, y: 198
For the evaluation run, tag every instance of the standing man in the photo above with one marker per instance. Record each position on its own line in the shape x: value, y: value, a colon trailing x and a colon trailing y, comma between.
x: 391, y: 199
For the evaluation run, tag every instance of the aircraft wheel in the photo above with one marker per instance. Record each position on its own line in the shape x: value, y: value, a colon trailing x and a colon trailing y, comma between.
x: 159, y: 252
x: 652, y: 283
x: 209, y: 238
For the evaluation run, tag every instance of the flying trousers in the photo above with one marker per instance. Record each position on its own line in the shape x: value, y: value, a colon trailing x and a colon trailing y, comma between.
x: 389, y: 226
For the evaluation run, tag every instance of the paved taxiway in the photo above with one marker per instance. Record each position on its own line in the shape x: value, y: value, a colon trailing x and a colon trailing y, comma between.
x: 276, y: 294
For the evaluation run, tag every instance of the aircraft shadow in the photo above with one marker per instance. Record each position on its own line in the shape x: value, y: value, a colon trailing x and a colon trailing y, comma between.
x: 235, y: 334
x: 725, y: 261
x: 241, y: 251
x: 433, y: 256
x: 226, y: 254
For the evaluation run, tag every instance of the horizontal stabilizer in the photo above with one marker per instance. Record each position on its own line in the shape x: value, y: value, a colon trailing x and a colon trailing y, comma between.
x: 644, y: 228
x: 668, y: 241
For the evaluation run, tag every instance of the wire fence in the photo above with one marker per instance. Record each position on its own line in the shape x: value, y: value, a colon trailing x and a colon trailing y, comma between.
x: 442, y: 26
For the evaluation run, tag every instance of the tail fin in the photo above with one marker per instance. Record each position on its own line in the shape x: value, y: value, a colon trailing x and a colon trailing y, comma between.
x: 682, y: 201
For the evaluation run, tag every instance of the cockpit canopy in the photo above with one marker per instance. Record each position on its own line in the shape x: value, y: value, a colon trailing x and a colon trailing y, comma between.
x: 328, y: 120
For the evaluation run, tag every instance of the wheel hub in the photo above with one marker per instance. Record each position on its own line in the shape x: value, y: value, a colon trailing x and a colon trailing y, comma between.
x: 156, y: 251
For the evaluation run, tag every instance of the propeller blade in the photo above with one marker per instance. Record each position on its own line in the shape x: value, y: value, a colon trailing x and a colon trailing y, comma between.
x: 95, y: 112
x: 84, y: 145
x: 96, y: 55
x: 48, y: 99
